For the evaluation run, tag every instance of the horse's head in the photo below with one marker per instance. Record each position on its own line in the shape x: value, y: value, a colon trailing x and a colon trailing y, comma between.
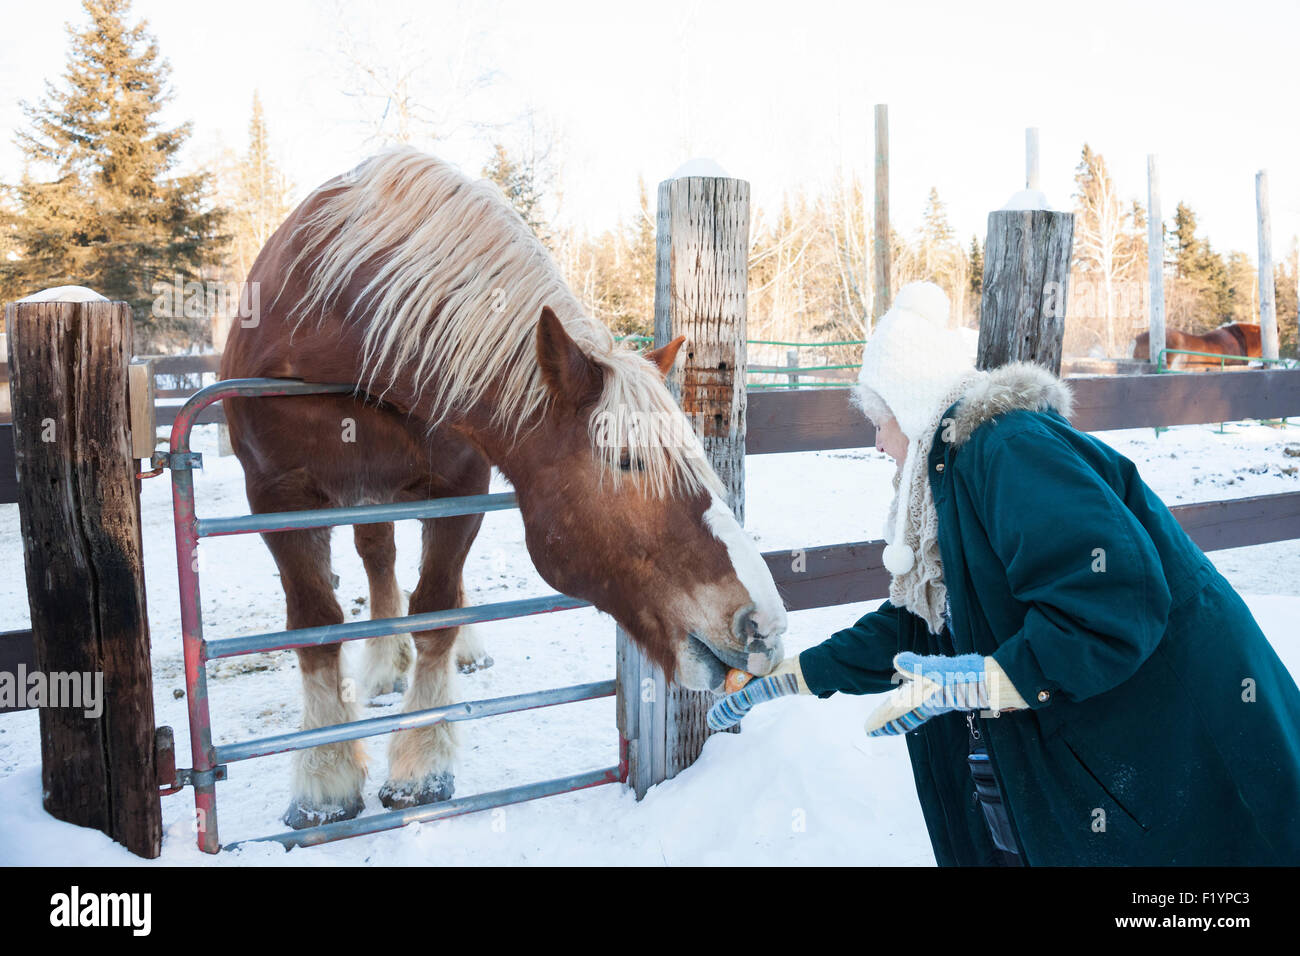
x: 621, y: 509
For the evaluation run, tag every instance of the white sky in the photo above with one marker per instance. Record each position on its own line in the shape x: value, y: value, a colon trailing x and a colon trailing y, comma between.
x: 778, y: 93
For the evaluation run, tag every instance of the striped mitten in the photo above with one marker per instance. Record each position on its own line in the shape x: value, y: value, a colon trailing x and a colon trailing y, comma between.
x: 785, y: 681
x: 930, y: 686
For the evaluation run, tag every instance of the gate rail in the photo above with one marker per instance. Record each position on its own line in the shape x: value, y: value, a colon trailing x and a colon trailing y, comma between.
x: 210, y: 761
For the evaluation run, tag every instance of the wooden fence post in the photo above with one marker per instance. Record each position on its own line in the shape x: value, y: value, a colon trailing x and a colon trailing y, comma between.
x: 1155, y: 265
x: 701, y: 280
x: 1267, y: 302
x: 1026, y: 285
x: 79, y: 510
x: 1032, y: 179
x: 880, y: 297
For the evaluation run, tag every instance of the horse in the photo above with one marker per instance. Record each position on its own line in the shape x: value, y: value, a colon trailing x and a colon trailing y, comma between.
x: 1236, y: 338
x: 467, y: 350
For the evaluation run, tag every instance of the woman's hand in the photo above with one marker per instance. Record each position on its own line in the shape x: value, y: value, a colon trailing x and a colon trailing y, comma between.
x: 785, y: 681
x: 937, y: 684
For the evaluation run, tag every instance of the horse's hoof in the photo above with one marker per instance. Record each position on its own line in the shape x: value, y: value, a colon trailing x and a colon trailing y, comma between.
x: 434, y: 788
x: 301, y: 816
x: 472, y: 664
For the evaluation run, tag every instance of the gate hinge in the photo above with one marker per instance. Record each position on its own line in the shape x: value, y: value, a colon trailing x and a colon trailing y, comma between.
x: 176, y: 461
x: 172, y: 780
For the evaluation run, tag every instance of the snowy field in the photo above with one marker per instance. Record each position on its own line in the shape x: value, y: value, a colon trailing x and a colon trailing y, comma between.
x: 801, y: 785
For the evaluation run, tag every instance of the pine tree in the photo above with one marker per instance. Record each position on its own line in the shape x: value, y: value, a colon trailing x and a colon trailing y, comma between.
x: 1203, y: 285
x: 113, y: 216
x: 518, y: 180
x: 1186, y: 245
x: 257, y: 195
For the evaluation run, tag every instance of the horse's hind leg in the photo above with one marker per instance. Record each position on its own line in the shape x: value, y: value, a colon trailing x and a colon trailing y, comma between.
x: 471, y: 652
x: 326, y: 779
x: 387, y: 659
x: 420, y: 761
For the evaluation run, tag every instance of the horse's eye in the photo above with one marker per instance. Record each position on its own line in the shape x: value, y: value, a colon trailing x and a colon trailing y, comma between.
x: 625, y: 462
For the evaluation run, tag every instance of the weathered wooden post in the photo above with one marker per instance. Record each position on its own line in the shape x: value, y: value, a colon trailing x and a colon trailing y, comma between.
x: 1026, y: 285
x: 79, y: 510
x: 1267, y: 302
x: 1155, y: 265
x: 792, y: 361
x: 701, y: 281
x: 880, y: 251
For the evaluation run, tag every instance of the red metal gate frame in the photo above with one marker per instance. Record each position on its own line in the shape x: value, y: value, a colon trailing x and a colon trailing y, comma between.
x: 210, y: 762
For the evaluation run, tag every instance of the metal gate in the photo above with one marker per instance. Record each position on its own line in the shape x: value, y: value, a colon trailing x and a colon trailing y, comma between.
x: 210, y: 762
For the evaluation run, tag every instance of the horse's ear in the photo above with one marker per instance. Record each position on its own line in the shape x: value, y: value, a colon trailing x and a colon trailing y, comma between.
x: 569, y: 374
x: 666, y: 355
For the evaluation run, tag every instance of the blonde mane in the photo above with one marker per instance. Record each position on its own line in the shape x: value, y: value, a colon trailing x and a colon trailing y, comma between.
x: 458, y: 282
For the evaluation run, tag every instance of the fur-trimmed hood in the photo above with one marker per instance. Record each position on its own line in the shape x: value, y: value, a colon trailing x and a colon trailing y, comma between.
x: 1019, y: 386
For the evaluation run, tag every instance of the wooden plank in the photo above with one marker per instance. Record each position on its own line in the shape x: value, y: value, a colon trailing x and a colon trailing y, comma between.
x: 1155, y: 264
x: 814, y: 419
x: 1217, y: 525
x: 167, y: 415
x: 79, y: 510
x: 850, y: 573
x: 823, y: 419
x: 829, y: 575
x: 1140, y: 401
x: 880, y: 233
x: 16, y: 649
x: 183, y: 364
x: 144, y: 419
x: 1268, y: 336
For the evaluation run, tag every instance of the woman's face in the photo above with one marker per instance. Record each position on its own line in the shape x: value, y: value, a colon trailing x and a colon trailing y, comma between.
x: 891, y: 440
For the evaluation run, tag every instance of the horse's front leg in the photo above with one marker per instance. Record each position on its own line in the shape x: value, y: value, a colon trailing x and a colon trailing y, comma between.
x: 421, y: 761
x: 327, y: 780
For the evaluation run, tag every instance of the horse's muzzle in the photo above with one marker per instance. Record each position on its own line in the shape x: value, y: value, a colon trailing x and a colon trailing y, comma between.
x: 762, y: 652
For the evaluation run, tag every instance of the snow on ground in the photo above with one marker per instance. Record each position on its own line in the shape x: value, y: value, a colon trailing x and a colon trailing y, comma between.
x: 801, y: 784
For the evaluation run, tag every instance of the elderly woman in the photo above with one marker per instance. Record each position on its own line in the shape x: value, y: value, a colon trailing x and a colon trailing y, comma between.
x: 1075, y: 681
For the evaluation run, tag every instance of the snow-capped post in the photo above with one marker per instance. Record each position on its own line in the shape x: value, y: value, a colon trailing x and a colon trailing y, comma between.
x: 79, y: 511
x: 1026, y: 282
x: 701, y: 283
x: 880, y: 253
x: 1267, y: 301
x: 1155, y: 265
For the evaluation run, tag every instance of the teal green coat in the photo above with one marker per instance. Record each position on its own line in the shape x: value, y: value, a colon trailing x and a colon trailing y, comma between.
x: 1162, y: 727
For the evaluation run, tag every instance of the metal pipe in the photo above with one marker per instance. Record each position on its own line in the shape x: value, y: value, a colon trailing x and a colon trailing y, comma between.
x: 381, y: 627
x: 378, y: 822
x: 465, y: 710
x: 359, y: 514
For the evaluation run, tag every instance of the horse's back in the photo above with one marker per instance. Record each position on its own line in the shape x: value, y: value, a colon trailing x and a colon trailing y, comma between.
x: 349, y: 449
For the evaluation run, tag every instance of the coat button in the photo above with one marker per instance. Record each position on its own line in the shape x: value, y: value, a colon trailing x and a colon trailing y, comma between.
x: 939, y: 467
x: 1044, y: 696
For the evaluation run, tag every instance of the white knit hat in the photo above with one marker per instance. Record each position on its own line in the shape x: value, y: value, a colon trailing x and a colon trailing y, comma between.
x: 911, y: 362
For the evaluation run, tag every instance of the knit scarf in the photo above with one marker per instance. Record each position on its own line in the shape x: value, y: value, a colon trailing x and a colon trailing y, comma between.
x: 921, y: 588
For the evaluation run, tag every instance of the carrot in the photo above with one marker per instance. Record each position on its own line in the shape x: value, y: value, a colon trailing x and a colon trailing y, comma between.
x: 736, y: 679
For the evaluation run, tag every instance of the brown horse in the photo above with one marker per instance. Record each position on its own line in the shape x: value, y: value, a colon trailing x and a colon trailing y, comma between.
x: 1237, y: 338
x: 469, y: 351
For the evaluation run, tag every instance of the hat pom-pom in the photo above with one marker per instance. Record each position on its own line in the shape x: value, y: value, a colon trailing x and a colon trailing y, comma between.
x: 898, y: 558
x: 925, y: 299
